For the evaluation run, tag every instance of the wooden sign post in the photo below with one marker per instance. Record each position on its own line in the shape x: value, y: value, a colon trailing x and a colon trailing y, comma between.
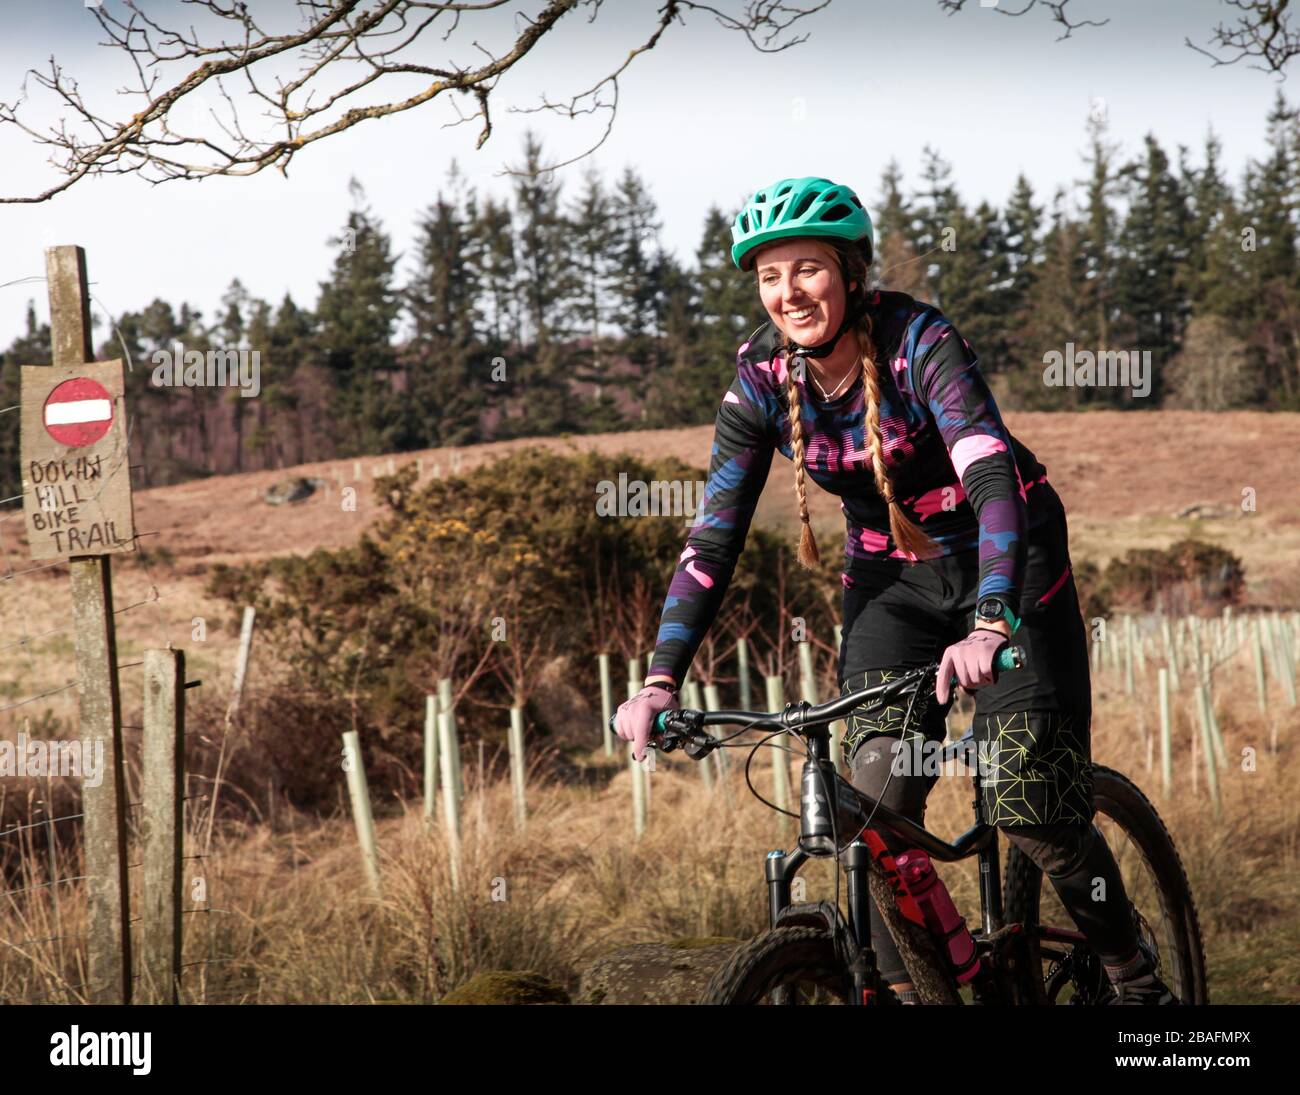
x: 77, y: 500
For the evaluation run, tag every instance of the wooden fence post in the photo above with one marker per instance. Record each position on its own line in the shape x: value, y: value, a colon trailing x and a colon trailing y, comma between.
x: 430, y: 755
x: 1285, y: 660
x: 742, y: 674
x: 713, y: 702
x: 1166, y: 736
x: 359, y: 793
x: 1128, y: 653
x: 445, y: 702
x: 780, y: 759
x: 108, y: 943
x: 448, y: 748
x: 691, y: 694
x: 606, y: 704
x: 1257, y: 655
x: 1207, y: 745
x: 1216, y: 736
x: 1171, y: 655
x: 162, y: 827
x: 241, y: 662
x: 635, y: 682
x: 517, y: 766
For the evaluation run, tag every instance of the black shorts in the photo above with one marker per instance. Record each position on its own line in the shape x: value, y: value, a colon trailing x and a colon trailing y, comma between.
x: 1033, y: 723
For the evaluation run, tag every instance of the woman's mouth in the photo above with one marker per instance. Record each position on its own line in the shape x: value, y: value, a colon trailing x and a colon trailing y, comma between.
x: 801, y: 318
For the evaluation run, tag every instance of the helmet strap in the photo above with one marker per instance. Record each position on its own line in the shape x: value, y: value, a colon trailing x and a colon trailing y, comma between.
x: 824, y: 349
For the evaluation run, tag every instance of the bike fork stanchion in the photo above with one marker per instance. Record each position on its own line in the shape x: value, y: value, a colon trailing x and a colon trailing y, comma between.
x: 857, y: 865
x: 778, y: 884
x: 779, y: 870
x: 990, y: 871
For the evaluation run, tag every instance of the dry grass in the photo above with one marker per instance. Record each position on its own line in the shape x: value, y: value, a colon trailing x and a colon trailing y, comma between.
x: 295, y: 921
x: 292, y: 921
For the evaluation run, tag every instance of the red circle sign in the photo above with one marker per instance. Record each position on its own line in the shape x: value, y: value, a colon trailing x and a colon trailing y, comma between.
x: 78, y: 412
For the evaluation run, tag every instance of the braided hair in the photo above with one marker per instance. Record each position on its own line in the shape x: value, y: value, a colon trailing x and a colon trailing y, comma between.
x: 906, y: 534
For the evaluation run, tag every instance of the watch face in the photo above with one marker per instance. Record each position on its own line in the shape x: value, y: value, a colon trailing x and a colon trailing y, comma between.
x: 989, y: 609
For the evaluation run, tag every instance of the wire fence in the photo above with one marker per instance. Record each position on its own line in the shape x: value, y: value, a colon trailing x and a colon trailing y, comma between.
x: 34, y: 873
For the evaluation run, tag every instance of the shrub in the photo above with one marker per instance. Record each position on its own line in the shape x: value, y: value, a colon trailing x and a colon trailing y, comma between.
x: 1188, y: 576
x: 497, y: 579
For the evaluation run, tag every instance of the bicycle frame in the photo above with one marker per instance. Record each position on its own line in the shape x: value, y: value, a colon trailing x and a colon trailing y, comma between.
x: 821, y: 823
x: 851, y: 817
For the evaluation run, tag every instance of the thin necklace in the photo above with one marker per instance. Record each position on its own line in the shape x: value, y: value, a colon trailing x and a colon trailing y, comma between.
x: 831, y: 395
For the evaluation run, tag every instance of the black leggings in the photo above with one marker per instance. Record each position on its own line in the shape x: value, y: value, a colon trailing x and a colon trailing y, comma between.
x: 1032, y: 725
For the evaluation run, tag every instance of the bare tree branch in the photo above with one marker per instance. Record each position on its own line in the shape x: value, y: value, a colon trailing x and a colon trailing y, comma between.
x: 1263, y: 31
x: 1056, y: 7
x: 344, y: 63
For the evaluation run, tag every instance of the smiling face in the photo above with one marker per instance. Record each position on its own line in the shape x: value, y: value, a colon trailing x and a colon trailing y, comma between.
x: 801, y: 287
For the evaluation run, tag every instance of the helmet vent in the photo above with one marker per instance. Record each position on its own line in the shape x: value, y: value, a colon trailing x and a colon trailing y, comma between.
x: 804, y: 203
x: 837, y: 212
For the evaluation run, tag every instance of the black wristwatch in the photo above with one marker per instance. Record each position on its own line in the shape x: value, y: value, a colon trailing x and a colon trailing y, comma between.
x: 992, y: 609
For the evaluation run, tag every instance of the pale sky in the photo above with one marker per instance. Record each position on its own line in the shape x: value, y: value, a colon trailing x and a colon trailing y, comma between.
x: 704, y: 118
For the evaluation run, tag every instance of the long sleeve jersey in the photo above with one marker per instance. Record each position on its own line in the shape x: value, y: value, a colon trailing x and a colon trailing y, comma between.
x: 954, y: 468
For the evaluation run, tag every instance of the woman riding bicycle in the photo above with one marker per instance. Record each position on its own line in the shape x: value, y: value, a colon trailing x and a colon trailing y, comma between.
x: 955, y: 540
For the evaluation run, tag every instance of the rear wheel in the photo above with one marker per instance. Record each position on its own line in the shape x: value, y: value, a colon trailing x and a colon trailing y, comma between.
x: 792, y: 965
x: 1161, y: 905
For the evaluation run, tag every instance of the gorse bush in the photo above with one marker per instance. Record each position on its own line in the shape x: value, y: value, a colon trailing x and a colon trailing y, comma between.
x: 503, y: 579
x: 1188, y: 576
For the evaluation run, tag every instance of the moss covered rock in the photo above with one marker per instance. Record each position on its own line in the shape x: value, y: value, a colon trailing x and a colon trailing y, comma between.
x: 507, y: 987
x: 676, y: 972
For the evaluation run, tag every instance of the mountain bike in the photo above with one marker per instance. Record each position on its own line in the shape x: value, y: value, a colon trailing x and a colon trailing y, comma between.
x: 1029, y: 949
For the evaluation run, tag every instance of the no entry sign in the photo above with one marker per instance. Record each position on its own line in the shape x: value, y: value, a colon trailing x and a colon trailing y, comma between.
x: 76, y: 471
x: 78, y: 412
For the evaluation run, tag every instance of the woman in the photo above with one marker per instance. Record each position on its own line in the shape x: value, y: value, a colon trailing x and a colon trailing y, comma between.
x: 955, y: 540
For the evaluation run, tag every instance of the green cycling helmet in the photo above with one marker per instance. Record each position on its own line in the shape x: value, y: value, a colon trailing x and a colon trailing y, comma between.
x: 799, y: 207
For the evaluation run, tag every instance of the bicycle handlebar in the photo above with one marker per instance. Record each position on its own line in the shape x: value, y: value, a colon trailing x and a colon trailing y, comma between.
x: 672, y: 728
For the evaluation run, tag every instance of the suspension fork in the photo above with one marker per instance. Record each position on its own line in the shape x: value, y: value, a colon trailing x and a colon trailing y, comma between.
x: 990, y: 870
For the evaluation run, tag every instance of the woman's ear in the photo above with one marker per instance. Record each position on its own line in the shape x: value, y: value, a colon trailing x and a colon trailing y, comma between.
x: 852, y: 285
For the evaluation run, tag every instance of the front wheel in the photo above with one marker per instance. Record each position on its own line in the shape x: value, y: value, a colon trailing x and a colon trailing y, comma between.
x: 1160, y: 903
x: 791, y: 965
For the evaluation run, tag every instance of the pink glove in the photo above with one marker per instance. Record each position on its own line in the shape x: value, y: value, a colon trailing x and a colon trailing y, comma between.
x: 636, y: 717
x: 971, y: 660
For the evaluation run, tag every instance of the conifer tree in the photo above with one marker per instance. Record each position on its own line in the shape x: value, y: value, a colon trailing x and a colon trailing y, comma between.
x: 895, y: 225
x: 1153, y: 257
x: 446, y: 356
x: 547, y: 286
x: 1022, y: 248
x: 356, y: 314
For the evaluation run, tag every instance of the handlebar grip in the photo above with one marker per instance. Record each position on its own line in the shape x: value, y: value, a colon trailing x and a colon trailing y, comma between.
x: 1010, y: 657
x: 658, y: 727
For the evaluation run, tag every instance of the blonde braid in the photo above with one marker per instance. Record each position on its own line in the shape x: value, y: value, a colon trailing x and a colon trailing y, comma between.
x: 907, y: 535
x: 808, y: 554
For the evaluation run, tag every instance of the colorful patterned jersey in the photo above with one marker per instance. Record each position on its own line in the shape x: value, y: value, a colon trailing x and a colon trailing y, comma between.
x: 954, y: 468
